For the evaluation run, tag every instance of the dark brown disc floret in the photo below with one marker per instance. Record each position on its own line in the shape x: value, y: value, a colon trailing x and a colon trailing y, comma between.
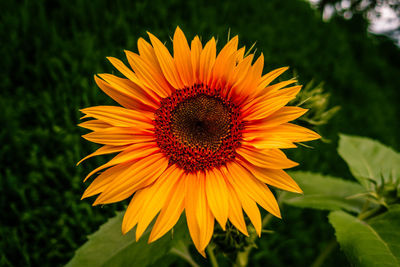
x: 197, y: 128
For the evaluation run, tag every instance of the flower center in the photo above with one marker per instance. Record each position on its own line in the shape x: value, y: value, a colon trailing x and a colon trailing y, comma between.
x: 197, y: 128
x: 201, y: 122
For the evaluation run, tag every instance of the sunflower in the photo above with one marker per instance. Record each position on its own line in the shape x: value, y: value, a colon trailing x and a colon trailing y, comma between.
x: 198, y: 132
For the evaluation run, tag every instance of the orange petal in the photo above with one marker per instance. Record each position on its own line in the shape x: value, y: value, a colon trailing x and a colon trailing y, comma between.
x: 271, y: 158
x: 204, y: 215
x: 119, y: 65
x: 94, y: 125
x: 191, y: 207
x: 240, y: 54
x: 235, y: 208
x: 269, y: 77
x: 277, y: 86
x: 200, y: 218
x: 123, y: 97
x: 283, y: 115
x: 294, y: 132
x: 119, y: 136
x: 140, y: 174
x: 217, y: 196
x: 136, y: 93
x: 105, y: 179
x: 258, y: 191
x: 264, y: 140
x: 151, y: 78
x: 264, y: 106
x: 277, y: 178
x: 159, y: 192
x: 166, y: 62
x: 207, y: 60
x: 240, y: 73
x: 249, y: 206
x: 182, y: 57
x: 224, y: 63
x: 196, y: 49
x: 147, y: 53
x: 256, y: 72
x: 171, y: 211
x: 104, y: 150
x: 131, y: 153
x: 281, y: 134
x: 120, y: 117
x: 132, y: 213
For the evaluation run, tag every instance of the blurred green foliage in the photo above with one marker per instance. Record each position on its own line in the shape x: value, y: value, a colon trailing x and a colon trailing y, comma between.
x: 50, y: 51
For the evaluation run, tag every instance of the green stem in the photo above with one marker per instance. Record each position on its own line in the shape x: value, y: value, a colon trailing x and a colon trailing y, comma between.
x: 267, y: 219
x: 210, y: 252
x: 242, y: 258
x: 182, y: 251
x: 325, y: 253
x: 368, y: 214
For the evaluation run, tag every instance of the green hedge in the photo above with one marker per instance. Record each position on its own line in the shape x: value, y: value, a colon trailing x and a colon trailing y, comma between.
x: 50, y: 51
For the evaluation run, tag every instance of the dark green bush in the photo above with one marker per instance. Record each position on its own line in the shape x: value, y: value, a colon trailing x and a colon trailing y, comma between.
x: 50, y: 51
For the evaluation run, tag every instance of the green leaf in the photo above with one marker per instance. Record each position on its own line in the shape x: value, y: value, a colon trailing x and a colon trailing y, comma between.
x: 369, y: 159
x: 325, y: 192
x: 109, y: 247
x: 375, y: 244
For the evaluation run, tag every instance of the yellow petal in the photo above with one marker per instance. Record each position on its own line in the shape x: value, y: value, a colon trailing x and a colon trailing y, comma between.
x: 147, y: 53
x: 132, y: 213
x: 119, y: 136
x: 123, y: 97
x: 159, y: 192
x: 105, y: 179
x: 258, y: 191
x: 271, y: 158
x: 277, y: 86
x: 263, y: 140
x: 240, y: 54
x: 207, y: 60
x: 267, y: 105
x: 277, y: 178
x: 294, y: 132
x: 119, y: 65
x: 171, y: 211
x: 131, y: 153
x: 140, y: 174
x: 120, y: 117
x: 240, y: 74
x: 224, y: 62
x: 196, y: 49
x: 166, y: 62
x: 94, y: 125
x: 270, y: 76
x: 127, y: 88
x: 151, y: 78
x: 281, y: 136
x: 217, y: 196
x: 249, y: 206
x: 235, y: 208
x: 204, y: 215
x: 182, y: 57
x: 104, y: 150
x: 191, y: 207
x: 283, y: 115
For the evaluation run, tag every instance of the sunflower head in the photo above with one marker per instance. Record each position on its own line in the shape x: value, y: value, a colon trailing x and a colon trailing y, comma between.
x: 198, y: 133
